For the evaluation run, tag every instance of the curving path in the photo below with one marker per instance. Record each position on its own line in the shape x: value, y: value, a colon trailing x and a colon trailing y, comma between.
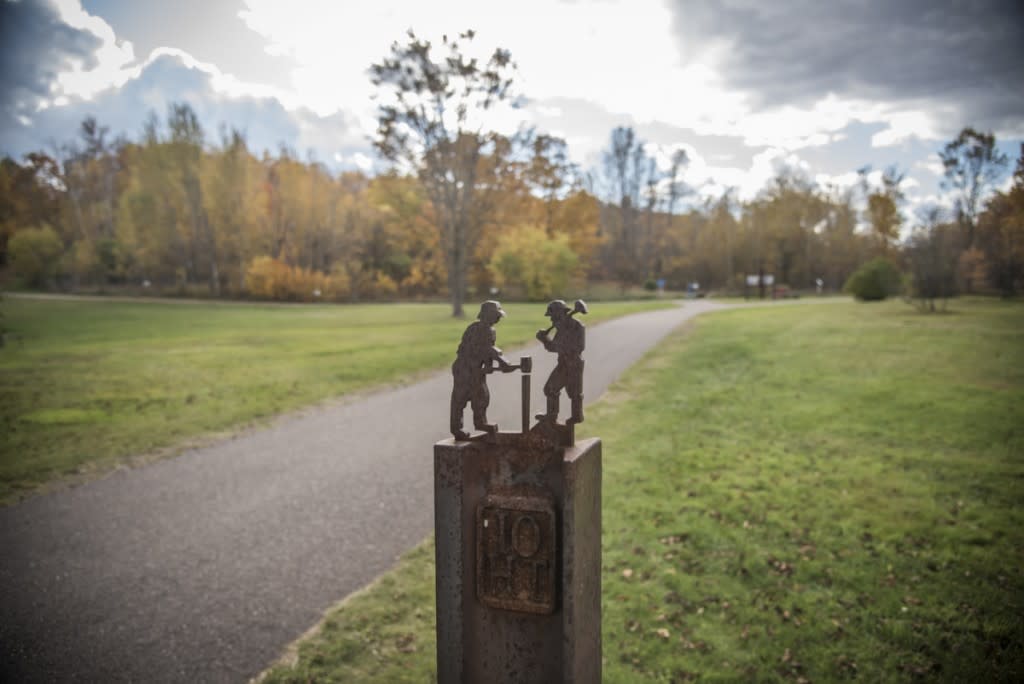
x: 205, y: 566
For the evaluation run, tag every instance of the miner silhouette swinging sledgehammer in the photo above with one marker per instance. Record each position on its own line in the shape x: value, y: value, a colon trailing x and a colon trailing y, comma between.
x: 473, y: 361
x: 570, y: 339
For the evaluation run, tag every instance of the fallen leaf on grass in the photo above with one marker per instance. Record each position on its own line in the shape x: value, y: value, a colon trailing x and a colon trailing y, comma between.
x: 699, y: 646
x: 663, y: 633
x: 627, y: 573
x: 846, y: 665
x: 674, y: 539
x: 405, y: 643
x: 780, y: 567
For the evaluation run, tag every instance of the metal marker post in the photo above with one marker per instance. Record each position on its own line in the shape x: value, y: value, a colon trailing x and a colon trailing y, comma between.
x: 517, y: 528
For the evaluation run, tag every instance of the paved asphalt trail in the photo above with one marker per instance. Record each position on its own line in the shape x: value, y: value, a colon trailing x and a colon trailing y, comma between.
x: 201, y: 568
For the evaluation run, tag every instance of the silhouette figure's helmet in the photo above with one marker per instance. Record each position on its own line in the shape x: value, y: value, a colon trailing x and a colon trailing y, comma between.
x: 492, y: 308
x: 557, y: 306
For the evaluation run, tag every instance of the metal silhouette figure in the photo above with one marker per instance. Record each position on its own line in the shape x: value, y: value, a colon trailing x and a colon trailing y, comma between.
x: 474, y: 360
x: 568, y: 343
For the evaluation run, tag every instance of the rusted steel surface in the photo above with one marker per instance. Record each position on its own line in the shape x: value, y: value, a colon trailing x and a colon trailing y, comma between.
x: 569, y: 343
x: 526, y: 366
x: 516, y: 546
x: 476, y: 357
x: 518, y: 535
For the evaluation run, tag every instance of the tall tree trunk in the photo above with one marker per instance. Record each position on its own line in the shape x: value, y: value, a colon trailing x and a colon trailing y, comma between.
x: 80, y: 223
x: 458, y: 291
x: 214, y: 270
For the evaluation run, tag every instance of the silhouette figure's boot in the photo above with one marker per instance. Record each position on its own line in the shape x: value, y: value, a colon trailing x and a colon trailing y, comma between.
x: 577, y: 410
x: 456, y: 425
x: 552, y: 413
x: 480, y: 423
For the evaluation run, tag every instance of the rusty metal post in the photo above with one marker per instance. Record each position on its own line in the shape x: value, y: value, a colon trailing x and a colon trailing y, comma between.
x: 517, y: 521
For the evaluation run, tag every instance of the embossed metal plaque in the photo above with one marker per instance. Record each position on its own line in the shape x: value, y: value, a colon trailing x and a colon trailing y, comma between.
x: 516, y: 552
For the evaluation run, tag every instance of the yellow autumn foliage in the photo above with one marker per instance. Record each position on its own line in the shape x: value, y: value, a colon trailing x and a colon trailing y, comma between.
x: 269, y: 278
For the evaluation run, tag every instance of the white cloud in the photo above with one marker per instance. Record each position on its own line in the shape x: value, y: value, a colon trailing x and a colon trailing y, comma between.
x: 113, y: 57
x: 172, y: 76
x: 840, y: 181
x: 710, y: 180
x: 222, y: 83
x: 362, y: 161
x: 114, y: 63
x: 932, y: 164
x: 904, y: 125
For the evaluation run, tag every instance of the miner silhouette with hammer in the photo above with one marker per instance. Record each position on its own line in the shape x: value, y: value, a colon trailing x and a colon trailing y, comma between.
x: 570, y: 339
x: 473, y: 361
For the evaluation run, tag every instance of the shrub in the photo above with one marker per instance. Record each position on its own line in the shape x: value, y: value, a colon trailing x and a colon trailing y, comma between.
x: 268, y: 278
x: 527, y: 257
x: 931, y: 254
x: 35, y: 255
x: 874, y: 281
x: 384, y: 286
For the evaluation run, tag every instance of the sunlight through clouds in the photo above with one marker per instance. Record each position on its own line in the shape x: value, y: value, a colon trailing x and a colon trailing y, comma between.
x: 113, y: 58
x: 605, y: 52
x: 724, y: 80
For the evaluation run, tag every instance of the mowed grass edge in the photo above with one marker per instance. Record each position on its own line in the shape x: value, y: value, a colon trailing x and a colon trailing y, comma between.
x: 87, y: 385
x: 790, y: 494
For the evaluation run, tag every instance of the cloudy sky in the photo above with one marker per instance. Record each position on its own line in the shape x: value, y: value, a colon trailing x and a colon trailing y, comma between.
x: 744, y: 85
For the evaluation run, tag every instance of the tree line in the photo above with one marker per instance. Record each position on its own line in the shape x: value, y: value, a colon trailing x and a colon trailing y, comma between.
x: 464, y: 209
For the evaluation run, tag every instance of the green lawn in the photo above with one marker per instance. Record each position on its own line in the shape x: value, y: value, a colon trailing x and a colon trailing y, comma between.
x: 791, y: 494
x: 85, y: 384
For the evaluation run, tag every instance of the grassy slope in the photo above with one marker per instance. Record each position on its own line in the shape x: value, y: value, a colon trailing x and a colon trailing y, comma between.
x: 791, y: 494
x: 85, y: 383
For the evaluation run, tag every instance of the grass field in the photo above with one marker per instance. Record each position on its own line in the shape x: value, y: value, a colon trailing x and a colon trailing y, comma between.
x: 85, y: 384
x: 791, y: 494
